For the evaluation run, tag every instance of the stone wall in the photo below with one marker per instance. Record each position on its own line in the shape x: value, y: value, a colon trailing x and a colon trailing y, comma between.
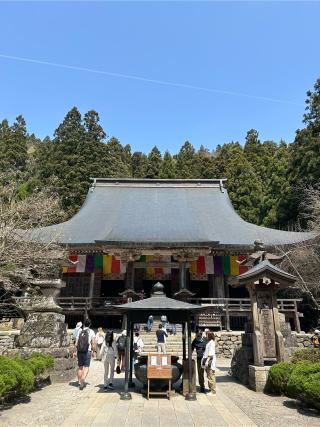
x: 7, y: 340
x: 226, y: 342
x: 303, y: 340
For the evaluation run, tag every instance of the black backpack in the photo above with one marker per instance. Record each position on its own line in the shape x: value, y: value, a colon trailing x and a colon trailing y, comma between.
x: 83, y: 341
x: 121, y: 343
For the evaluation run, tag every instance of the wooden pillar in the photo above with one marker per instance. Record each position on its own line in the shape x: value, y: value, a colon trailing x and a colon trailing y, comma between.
x: 218, y: 286
x: 130, y: 276
x: 91, y: 285
x: 131, y: 384
x: 296, y: 318
x: 190, y: 395
x: 125, y: 395
x: 183, y: 341
x: 182, y: 275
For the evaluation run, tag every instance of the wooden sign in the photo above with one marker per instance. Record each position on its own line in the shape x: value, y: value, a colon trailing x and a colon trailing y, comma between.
x: 159, y: 366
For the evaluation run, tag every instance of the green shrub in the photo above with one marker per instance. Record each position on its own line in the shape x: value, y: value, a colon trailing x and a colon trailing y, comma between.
x: 302, y: 373
x: 15, y: 376
x: 279, y: 376
x: 311, y: 392
x: 310, y: 354
x: 40, y: 362
x: 19, y: 374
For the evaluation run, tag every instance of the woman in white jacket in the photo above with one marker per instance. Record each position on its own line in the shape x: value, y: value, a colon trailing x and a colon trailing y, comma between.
x: 209, y: 362
x: 108, y: 354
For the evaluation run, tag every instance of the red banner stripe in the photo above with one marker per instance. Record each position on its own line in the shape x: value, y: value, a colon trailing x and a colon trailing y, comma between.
x: 115, y: 265
x: 201, y: 265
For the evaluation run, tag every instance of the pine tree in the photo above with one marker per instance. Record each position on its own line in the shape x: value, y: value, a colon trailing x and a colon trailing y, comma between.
x: 304, y: 159
x: 243, y: 184
x: 205, y: 164
x: 168, y: 168
x: 154, y: 163
x: 118, y: 163
x: 139, y: 164
x: 13, y: 145
x: 186, y: 162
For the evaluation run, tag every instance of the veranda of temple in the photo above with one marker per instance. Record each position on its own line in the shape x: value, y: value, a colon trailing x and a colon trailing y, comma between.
x: 131, y: 233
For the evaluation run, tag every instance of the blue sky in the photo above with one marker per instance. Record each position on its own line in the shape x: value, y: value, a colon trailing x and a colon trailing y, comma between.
x: 234, y: 65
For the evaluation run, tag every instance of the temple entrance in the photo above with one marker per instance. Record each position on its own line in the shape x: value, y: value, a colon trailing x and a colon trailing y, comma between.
x: 111, y: 288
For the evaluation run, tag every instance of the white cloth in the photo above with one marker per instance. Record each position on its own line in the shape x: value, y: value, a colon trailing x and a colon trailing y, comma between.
x: 92, y: 336
x: 99, y: 338
x: 109, y: 363
x: 210, y: 352
x: 108, y: 351
x: 139, y: 342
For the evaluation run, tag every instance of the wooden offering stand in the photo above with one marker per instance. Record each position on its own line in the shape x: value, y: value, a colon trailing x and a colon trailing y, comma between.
x: 159, y: 368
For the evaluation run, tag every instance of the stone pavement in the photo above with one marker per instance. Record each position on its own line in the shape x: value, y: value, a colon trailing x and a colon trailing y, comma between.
x: 65, y: 405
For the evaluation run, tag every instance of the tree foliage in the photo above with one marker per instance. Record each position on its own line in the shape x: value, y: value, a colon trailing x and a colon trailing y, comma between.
x: 264, y: 178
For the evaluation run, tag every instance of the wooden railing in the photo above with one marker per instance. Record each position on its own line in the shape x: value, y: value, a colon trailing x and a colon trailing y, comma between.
x: 218, y: 307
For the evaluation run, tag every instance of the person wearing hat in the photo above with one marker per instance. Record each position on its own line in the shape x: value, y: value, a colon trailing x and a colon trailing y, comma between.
x: 76, y: 330
x: 315, y: 339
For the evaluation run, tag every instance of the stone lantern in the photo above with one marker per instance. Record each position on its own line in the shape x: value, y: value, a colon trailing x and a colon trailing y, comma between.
x: 263, y: 281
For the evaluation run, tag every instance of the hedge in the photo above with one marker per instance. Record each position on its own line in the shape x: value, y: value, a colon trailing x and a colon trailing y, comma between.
x: 311, y: 354
x: 19, y: 375
x: 279, y: 376
x: 300, y: 380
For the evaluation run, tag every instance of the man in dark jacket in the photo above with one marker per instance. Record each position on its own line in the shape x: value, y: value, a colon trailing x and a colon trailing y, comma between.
x: 199, y: 344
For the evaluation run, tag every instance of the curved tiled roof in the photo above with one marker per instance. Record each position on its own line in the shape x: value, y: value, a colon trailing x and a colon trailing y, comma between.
x: 162, y: 213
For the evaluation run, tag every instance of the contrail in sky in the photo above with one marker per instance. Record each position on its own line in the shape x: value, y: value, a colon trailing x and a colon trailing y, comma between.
x: 147, y: 80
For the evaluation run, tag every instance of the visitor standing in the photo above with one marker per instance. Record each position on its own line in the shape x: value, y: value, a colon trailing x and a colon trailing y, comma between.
x: 121, y: 345
x: 164, y: 322
x: 209, y: 362
x: 85, y: 344
x: 161, y: 339
x: 150, y: 323
x: 99, y: 341
x: 76, y: 330
x: 109, y: 353
x: 137, y: 346
x: 174, y: 329
x: 199, y: 344
x: 315, y: 339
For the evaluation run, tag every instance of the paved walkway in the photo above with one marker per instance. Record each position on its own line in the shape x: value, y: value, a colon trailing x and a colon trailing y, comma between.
x: 65, y: 405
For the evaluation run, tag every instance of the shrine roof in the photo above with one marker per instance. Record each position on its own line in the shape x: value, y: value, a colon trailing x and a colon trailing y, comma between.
x: 264, y: 268
x: 159, y: 301
x: 161, y: 213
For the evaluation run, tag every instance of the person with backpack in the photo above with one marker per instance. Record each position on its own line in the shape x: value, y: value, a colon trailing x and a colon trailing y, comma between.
x: 315, y: 339
x: 121, y: 345
x: 85, y: 344
x: 137, y: 346
x: 109, y: 353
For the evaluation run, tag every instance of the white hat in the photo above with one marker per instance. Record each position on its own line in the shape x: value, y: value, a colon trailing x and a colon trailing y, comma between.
x: 79, y: 324
x: 124, y: 332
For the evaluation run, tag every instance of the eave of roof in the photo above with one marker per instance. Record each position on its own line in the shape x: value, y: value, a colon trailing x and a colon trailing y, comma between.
x: 263, y: 268
x: 131, y: 213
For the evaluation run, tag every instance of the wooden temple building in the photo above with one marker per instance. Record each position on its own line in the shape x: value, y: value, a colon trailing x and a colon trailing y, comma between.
x: 131, y: 233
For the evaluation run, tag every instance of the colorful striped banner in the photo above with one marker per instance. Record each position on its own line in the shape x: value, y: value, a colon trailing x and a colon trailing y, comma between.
x: 234, y: 266
x: 218, y: 266
x: 109, y: 264
x: 90, y: 264
x: 81, y: 264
